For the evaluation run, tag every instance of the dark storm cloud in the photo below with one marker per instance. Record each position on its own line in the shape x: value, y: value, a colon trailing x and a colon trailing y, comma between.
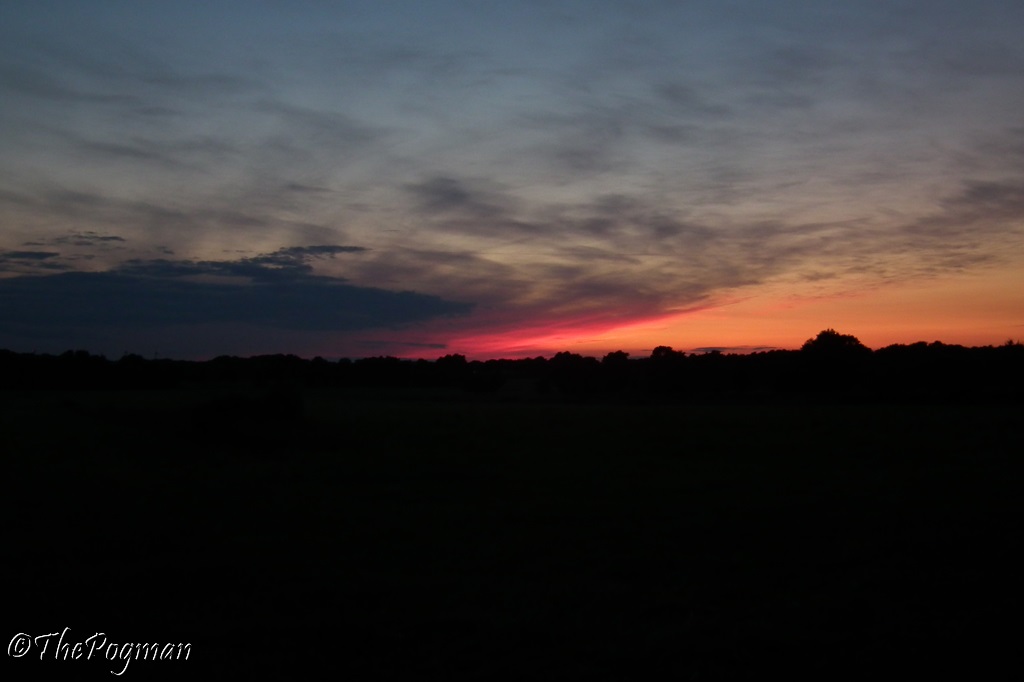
x: 30, y: 262
x: 120, y: 299
x: 282, y: 294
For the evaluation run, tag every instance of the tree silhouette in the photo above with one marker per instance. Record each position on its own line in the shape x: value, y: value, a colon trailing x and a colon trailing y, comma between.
x: 835, y: 363
x: 617, y: 358
x: 830, y: 343
x: 666, y: 353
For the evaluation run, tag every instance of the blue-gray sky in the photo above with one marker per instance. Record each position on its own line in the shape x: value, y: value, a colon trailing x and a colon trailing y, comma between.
x: 495, y: 178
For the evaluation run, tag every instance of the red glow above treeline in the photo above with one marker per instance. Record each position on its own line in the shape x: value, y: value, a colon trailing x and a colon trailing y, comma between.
x: 952, y: 313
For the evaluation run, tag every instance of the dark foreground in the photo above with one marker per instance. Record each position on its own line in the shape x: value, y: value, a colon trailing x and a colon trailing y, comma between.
x: 454, y: 540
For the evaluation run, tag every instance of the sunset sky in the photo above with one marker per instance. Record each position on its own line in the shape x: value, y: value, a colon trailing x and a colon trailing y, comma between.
x: 508, y: 179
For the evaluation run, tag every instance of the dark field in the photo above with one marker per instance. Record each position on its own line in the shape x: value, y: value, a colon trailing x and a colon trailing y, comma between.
x: 404, y: 538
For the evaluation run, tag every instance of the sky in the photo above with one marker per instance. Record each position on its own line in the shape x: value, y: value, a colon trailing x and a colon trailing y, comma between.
x: 508, y: 179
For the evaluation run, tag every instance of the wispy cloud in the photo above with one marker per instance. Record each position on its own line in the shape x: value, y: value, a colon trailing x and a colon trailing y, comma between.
x: 28, y: 255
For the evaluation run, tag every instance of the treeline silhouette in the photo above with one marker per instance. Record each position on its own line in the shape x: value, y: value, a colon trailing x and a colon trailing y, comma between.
x: 830, y: 366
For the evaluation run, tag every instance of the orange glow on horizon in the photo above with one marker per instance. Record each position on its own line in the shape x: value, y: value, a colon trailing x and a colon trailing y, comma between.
x: 969, y: 311
x: 577, y: 336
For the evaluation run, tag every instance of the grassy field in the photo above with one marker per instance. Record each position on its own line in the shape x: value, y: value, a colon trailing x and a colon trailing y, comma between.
x: 451, y: 539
